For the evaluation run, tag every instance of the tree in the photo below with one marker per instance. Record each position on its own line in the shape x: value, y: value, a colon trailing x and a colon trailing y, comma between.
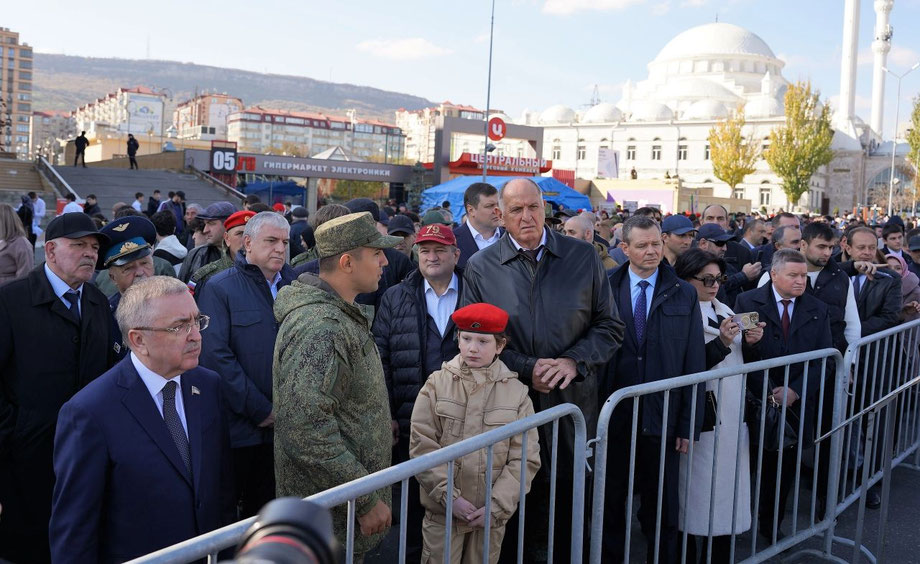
x: 733, y: 155
x: 344, y: 190
x: 803, y: 145
x: 913, y: 157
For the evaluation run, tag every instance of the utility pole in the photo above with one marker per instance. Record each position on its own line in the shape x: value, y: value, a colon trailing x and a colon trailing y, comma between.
x: 485, y: 146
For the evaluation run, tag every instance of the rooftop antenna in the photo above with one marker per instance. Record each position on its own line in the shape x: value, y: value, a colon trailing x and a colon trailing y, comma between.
x: 717, y: 17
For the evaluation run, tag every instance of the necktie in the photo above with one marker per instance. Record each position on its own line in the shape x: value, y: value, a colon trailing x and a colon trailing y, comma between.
x: 856, y: 287
x: 174, y: 424
x: 640, y: 313
x: 786, y: 318
x: 73, y: 297
x: 531, y: 254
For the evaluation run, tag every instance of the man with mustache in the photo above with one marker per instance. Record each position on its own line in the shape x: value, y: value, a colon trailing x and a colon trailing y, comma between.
x: 239, y: 345
x: 55, y: 337
x: 141, y: 454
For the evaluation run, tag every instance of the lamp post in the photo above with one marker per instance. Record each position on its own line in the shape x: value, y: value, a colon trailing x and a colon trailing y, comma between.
x: 485, y: 147
x: 894, y: 136
x: 163, y: 114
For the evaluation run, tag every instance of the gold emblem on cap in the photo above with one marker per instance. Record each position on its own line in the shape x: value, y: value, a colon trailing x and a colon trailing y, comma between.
x: 476, y: 325
x: 128, y: 246
x: 246, y: 218
x: 121, y: 227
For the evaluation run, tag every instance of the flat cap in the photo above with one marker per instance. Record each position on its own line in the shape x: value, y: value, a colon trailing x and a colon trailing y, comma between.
x: 300, y: 211
x: 131, y: 238
x: 218, y: 210
x: 350, y: 232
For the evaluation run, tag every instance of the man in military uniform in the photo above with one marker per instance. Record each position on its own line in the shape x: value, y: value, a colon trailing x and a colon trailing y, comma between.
x: 129, y: 256
x: 332, y: 420
x: 214, y: 217
x: 232, y: 243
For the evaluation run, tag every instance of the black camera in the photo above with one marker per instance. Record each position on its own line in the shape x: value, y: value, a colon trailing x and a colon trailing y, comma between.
x: 290, y: 530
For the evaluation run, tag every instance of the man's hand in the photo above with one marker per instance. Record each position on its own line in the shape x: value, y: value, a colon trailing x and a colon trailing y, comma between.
x: 539, y: 369
x: 911, y: 307
x: 784, y: 395
x: 561, y: 372
x: 681, y: 445
x: 478, y: 518
x: 269, y: 421
x: 463, y: 509
x: 752, y: 270
x: 394, y: 426
x: 377, y: 520
x: 864, y: 267
x: 753, y: 336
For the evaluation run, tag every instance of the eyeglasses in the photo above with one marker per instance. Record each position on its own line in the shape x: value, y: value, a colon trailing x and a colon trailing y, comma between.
x: 710, y: 281
x: 201, y: 322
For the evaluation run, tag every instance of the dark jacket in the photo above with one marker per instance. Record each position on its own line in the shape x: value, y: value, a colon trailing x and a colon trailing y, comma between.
x: 401, y: 332
x: 92, y: 210
x: 398, y: 267
x: 133, y: 145
x: 81, y: 143
x: 45, y: 358
x: 672, y: 345
x: 239, y: 344
x: 738, y: 254
x: 809, y: 330
x: 466, y: 243
x: 832, y: 288
x: 152, y: 206
x: 560, y: 308
x: 878, y: 300
x: 301, y: 228
x: 196, y: 258
x: 122, y: 491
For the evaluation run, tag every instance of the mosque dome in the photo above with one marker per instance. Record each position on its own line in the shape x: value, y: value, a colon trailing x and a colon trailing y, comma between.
x: 717, y: 39
x: 763, y: 106
x: 647, y: 110
x: 557, y: 114
x: 706, y: 109
x: 696, y: 89
x: 603, y: 113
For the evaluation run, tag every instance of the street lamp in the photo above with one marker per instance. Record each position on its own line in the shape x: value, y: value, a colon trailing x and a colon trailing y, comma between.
x: 485, y: 150
x: 894, y: 137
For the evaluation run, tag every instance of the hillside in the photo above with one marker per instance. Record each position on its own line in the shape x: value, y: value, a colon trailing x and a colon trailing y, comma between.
x: 63, y: 82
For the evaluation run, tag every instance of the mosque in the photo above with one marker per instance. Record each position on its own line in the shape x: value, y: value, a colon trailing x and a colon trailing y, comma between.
x: 660, y: 127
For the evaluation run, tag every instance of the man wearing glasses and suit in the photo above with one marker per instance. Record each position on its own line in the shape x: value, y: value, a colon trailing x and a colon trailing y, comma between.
x: 141, y: 455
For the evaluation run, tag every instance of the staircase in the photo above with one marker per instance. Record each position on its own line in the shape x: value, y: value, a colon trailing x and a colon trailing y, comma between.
x: 18, y: 178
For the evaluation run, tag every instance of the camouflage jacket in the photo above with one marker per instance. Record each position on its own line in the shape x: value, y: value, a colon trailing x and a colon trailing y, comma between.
x: 332, y: 414
x: 202, y: 275
x: 306, y: 256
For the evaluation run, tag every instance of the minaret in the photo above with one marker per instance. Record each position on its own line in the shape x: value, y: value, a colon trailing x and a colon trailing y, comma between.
x: 880, y: 48
x: 847, y: 104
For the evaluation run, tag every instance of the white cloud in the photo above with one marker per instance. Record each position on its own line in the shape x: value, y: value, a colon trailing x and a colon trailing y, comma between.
x: 795, y: 60
x: 409, y: 49
x: 566, y: 7
x: 898, y: 57
x: 661, y: 8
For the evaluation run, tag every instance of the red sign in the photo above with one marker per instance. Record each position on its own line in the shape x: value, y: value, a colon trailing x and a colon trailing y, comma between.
x: 497, y: 129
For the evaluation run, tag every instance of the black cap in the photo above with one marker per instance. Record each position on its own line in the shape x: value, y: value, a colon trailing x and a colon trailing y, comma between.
x: 300, y: 211
x: 181, y: 194
x: 359, y: 205
x: 400, y: 224
x: 73, y: 226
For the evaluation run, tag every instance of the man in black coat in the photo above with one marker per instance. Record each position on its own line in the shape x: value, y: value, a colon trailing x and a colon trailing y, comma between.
x: 91, y: 207
x: 564, y: 327
x: 153, y: 204
x: 415, y: 335
x: 133, y: 146
x: 80, y: 145
x: 55, y: 337
x: 796, y: 322
x: 664, y: 339
x: 736, y: 254
x: 483, y: 220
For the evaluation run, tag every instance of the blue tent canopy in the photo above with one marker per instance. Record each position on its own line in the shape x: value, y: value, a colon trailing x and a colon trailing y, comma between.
x: 271, y: 192
x: 453, y: 190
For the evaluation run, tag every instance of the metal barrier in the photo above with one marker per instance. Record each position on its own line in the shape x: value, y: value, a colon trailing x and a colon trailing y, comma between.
x: 208, y: 545
x: 813, y: 364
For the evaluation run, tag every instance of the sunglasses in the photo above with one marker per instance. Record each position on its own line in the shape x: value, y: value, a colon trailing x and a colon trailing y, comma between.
x: 710, y: 281
x: 718, y: 243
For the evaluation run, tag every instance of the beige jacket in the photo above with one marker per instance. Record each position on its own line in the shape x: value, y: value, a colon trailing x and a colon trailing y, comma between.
x: 456, y: 403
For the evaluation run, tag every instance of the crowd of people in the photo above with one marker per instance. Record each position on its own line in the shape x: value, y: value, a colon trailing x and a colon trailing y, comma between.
x: 176, y: 367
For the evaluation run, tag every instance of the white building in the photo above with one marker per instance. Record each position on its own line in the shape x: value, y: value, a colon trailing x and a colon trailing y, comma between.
x: 137, y: 110
x: 205, y: 116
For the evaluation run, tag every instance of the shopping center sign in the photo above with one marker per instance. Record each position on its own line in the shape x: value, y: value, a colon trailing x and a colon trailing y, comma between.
x: 502, y: 163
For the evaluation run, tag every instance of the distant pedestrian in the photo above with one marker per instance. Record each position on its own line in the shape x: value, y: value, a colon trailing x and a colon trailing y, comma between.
x: 138, y: 203
x: 91, y: 207
x: 153, y: 205
x: 38, y: 207
x: 133, y: 145
x: 26, y: 214
x: 72, y: 206
x: 80, y: 143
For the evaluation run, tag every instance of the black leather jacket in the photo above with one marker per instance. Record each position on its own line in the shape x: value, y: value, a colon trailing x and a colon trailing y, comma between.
x: 878, y: 301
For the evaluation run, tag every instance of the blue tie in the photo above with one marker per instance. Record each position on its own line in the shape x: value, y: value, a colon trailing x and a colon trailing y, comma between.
x: 174, y: 423
x: 856, y: 286
x: 640, y: 313
x: 73, y: 297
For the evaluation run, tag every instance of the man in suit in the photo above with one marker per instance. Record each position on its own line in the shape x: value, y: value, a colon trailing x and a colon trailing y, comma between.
x: 664, y: 339
x: 796, y: 322
x: 141, y: 454
x: 765, y: 253
x: 736, y: 254
x: 483, y: 221
x: 55, y: 337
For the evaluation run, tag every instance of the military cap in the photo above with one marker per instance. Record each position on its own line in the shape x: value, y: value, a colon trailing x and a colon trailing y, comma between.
x: 74, y: 226
x: 350, y: 232
x: 434, y: 216
x: 481, y: 318
x: 131, y: 238
x: 239, y: 218
x: 218, y: 210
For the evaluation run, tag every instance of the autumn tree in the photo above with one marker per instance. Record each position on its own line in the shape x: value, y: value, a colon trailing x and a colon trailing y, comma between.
x: 803, y: 144
x: 913, y: 157
x: 732, y: 153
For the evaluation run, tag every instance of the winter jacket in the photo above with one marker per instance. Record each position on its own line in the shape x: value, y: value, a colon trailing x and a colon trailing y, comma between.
x: 605, y: 257
x: 401, y: 332
x: 197, y: 258
x: 172, y: 251
x: 301, y: 228
x: 238, y: 345
x: 17, y: 258
x: 332, y: 415
x: 457, y: 403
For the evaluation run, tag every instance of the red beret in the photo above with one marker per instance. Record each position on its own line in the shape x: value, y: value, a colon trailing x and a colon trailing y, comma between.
x: 481, y: 318
x: 278, y: 207
x: 436, y: 233
x: 238, y: 218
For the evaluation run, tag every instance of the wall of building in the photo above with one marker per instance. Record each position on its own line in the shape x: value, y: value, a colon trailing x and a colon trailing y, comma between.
x: 15, y: 93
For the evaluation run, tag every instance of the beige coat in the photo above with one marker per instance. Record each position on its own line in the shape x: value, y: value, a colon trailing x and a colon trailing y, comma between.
x: 456, y: 403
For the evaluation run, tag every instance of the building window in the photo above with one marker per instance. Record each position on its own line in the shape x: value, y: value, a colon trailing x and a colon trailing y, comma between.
x: 580, y: 153
x: 764, y: 196
x: 682, y: 152
x: 630, y: 152
x: 765, y: 146
x: 656, y: 152
x: 706, y: 153
x: 557, y: 149
x: 738, y: 194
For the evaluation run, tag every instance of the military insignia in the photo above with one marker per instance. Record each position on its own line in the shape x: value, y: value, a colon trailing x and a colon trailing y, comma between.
x: 121, y: 227
x: 128, y: 246
x: 117, y: 348
x: 246, y: 219
x: 476, y: 325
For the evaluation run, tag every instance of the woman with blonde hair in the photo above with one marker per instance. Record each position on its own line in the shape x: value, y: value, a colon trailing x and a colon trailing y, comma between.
x: 17, y: 255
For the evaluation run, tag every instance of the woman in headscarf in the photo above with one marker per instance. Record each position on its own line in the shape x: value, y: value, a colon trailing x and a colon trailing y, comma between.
x: 910, y: 288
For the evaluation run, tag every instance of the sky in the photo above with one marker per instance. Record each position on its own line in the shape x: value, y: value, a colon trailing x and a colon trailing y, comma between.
x: 545, y: 51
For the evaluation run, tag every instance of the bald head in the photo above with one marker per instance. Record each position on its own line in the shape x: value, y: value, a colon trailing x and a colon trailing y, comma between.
x: 517, y: 188
x: 580, y: 227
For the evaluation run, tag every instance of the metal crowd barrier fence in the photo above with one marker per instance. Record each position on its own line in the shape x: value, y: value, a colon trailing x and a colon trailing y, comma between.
x: 806, y: 368
x: 208, y: 545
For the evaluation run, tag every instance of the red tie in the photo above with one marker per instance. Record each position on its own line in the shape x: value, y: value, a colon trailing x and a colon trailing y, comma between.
x: 786, y: 318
